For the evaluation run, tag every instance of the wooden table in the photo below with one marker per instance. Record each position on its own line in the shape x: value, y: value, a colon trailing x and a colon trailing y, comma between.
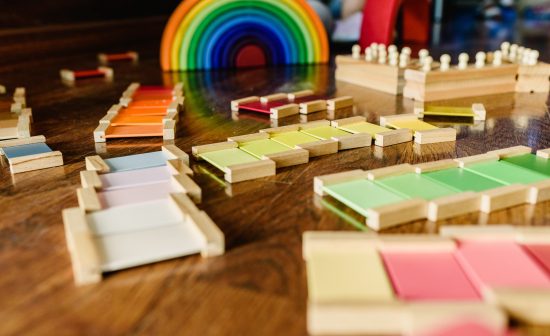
x: 259, y: 286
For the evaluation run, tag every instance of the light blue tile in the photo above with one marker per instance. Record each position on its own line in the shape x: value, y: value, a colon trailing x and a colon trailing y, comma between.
x: 24, y: 150
x: 139, y: 161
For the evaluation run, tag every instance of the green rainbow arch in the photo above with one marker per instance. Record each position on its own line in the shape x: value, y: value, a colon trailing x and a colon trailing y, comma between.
x: 213, y: 34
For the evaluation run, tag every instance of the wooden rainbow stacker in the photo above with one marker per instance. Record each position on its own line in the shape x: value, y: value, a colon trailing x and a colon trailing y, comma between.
x: 467, y: 280
x: 143, y: 111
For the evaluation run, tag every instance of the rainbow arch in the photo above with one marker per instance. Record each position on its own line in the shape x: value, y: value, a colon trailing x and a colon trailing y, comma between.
x: 214, y: 34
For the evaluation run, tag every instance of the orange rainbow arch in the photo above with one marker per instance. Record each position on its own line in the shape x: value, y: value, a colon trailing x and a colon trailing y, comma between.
x: 214, y: 34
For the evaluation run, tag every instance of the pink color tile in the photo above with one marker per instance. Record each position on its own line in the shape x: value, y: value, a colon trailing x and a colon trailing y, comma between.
x: 500, y: 264
x: 149, y: 192
x: 429, y: 276
x: 134, y: 178
x: 540, y: 253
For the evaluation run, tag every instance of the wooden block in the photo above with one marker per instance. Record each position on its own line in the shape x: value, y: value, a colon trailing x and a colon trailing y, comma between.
x: 479, y: 112
x: 184, y: 203
x: 385, y: 120
x: 528, y: 305
x: 348, y: 121
x: 23, y: 127
x: 435, y: 136
x: 249, y: 137
x: 453, y: 205
x: 20, y: 142
x: 173, y: 152
x: 314, y: 124
x: 34, y: 162
x: 533, y: 235
x: 471, y: 232
x: 281, y: 129
x: 85, y: 258
x: 313, y: 106
x: 235, y: 103
x: 90, y: 179
x: 215, y: 240
x: 337, y: 241
x: 250, y: 171
x: 503, y: 197
x: 97, y: 163
x: 108, y: 118
x: 539, y: 192
x: 299, y: 94
x: 273, y: 97
x: 99, y: 132
x: 198, y: 150
x: 544, y: 153
x: 353, y: 141
x: 435, y: 165
x: 178, y: 167
x: 361, y: 319
x: 319, y: 182
x: 284, y: 111
x: 289, y: 158
x: 511, y: 151
x: 469, y: 160
x: 88, y: 199
x: 189, y: 187
x: 379, y: 173
x: 394, y: 137
x: 395, y: 214
x: 339, y: 103
x: 169, y: 130
x: 321, y: 147
x: 2, y: 89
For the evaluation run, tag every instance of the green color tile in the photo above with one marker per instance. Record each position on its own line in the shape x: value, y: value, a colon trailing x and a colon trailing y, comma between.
x: 259, y: 148
x: 361, y: 195
x: 463, y: 180
x: 365, y: 127
x: 416, y: 185
x: 293, y: 138
x: 227, y: 157
x: 325, y: 132
x: 505, y: 172
x: 531, y: 162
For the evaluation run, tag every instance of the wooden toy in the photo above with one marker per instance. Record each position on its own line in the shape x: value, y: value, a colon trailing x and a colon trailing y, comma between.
x: 73, y: 75
x: 282, y: 105
x: 477, y: 112
x: 258, y: 155
x: 413, y: 284
x: 442, y: 189
x: 136, y: 178
x: 257, y: 33
x: 15, y: 117
x: 142, y: 112
x: 383, y: 136
x: 131, y: 56
x: 30, y: 154
x: 424, y: 133
x: 2, y: 89
x: 135, y: 210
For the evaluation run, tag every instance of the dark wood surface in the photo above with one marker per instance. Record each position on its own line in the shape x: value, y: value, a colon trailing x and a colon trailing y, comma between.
x: 259, y: 286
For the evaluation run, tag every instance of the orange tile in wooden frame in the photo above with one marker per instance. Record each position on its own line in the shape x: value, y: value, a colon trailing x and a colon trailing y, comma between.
x: 125, y: 119
x: 134, y: 131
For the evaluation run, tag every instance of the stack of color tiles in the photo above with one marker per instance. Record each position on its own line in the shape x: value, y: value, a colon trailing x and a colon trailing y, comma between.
x: 135, y: 210
x: 467, y: 279
x: 15, y: 117
x: 29, y: 154
x: 143, y: 111
x: 258, y: 155
x: 442, y: 189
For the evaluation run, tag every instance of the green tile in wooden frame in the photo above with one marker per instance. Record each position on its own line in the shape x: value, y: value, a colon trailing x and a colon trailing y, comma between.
x: 414, y: 185
x: 506, y: 173
x: 463, y: 180
x: 227, y: 157
x: 362, y: 194
x: 531, y: 162
x: 262, y: 147
x: 325, y: 132
x: 293, y: 138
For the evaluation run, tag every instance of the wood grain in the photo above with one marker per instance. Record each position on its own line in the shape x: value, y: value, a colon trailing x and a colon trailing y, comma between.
x: 258, y: 286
